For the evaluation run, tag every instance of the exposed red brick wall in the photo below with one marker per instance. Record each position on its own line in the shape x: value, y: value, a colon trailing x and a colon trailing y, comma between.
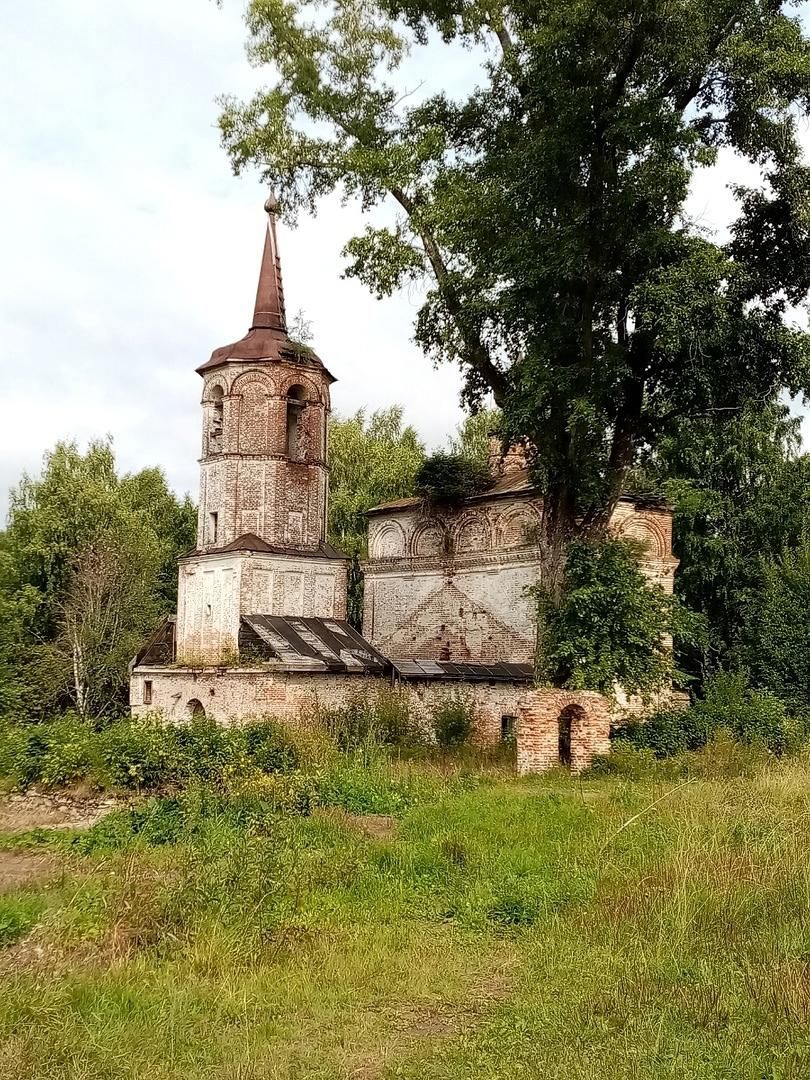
x: 538, y: 729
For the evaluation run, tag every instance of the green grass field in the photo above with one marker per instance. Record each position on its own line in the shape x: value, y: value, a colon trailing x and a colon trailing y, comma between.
x: 494, y: 929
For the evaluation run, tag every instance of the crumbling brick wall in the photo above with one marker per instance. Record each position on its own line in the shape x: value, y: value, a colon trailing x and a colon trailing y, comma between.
x: 550, y: 721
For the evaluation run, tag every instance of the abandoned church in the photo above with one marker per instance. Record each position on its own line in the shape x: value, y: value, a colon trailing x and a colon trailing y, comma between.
x: 261, y: 613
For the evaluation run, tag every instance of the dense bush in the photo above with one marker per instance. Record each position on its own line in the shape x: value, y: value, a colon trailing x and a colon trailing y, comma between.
x: 143, y: 753
x: 751, y: 717
x: 778, y: 633
x: 384, y: 717
x: 453, y: 720
x: 448, y: 479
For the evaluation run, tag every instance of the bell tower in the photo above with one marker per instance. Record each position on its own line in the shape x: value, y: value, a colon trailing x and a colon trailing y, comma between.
x: 265, y: 405
x: 261, y: 530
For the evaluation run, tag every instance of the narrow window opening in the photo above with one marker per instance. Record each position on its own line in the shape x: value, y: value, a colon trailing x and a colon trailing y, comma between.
x: 507, y: 728
x: 217, y: 415
x: 295, y: 408
x: 213, y: 527
x: 147, y: 691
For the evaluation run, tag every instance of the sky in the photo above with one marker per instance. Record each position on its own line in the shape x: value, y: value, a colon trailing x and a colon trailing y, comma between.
x: 131, y: 251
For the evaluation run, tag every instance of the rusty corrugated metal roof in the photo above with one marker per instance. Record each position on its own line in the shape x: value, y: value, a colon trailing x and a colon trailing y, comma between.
x: 308, y: 644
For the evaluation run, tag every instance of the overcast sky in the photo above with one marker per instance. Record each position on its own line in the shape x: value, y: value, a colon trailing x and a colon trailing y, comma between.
x: 130, y: 251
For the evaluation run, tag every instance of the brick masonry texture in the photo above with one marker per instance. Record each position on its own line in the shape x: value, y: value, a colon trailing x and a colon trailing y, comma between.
x: 542, y: 714
x: 453, y: 586
x: 233, y: 694
x: 248, y: 478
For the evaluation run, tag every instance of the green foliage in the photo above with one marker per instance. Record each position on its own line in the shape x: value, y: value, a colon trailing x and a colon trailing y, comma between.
x: 87, y: 567
x: 564, y: 275
x: 609, y: 624
x: 384, y: 717
x: 750, y: 717
x: 777, y: 645
x: 146, y: 753
x: 740, y: 495
x: 453, y: 719
x: 19, y: 914
x: 371, y: 461
x: 472, y: 438
x: 448, y: 479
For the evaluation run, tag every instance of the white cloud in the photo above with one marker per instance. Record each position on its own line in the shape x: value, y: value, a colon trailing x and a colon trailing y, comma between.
x: 130, y: 251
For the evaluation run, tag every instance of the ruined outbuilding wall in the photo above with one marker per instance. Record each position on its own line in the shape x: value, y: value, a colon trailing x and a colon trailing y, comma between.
x: 587, y: 716
x: 236, y: 694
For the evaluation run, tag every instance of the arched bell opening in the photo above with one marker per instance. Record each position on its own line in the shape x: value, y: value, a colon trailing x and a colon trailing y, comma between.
x: 296, y: 400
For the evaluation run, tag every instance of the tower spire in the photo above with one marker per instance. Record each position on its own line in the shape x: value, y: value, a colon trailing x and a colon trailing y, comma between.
x: 269, y: 312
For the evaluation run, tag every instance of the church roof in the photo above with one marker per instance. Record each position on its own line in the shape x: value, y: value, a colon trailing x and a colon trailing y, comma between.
x: 267, y: 338
x: 252, y: 542
x: 310, y: 644
x: 515, y: 483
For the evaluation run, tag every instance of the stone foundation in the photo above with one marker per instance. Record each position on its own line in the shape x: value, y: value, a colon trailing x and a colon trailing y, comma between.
x: 561, y: 728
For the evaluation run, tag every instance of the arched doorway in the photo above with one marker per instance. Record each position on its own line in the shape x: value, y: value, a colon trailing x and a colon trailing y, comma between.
x: 564, y: 736
x: 195, y: 710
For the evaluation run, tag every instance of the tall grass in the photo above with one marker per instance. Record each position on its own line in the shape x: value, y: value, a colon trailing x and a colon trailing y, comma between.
x: 577, y: 928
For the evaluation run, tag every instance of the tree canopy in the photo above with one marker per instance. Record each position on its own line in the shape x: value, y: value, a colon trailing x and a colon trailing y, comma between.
x: 87, y: 568
x: 545, y: 208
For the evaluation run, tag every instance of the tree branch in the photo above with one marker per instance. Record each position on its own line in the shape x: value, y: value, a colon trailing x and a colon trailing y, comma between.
x: 476, y: 352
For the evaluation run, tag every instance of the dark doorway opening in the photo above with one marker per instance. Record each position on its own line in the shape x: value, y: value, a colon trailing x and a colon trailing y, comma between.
x: 564, y: 738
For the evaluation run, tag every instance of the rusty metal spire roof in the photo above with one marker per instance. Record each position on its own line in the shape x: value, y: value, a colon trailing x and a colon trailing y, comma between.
x: 269, y: 312
x: 267, y: 339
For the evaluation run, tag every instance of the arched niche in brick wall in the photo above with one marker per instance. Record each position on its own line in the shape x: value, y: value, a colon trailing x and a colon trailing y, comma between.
x: 252, y: 394
x: 388, y: 541
x: 472, y: 534
x: 428, y: 539
x: 516, y: 527
x: 648, y: 532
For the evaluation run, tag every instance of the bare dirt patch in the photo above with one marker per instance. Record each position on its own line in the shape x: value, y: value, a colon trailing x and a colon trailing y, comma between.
x: 19, y: 868
x: 374, y: 826
x: 70, y: 810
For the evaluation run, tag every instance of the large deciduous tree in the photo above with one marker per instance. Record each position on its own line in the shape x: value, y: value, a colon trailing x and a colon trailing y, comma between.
x: 87, y: 567
x: 545, y: 206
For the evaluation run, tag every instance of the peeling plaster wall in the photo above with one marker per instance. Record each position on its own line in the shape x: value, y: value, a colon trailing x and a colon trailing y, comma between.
x: 236, y: 694
x: 454, y: 586
x: 216, y: 590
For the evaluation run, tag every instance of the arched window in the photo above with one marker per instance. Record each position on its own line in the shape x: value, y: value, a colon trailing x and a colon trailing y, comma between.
x: 296, y: 396
x: 195, y: 710
x: 217, y: 412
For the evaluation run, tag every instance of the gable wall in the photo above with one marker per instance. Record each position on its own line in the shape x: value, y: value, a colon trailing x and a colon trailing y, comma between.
x: 455, y: 587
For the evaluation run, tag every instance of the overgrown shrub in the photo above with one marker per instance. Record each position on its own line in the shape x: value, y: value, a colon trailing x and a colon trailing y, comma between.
x: 453, y: 719
x: 750, y: 716
x: 448, y: 479
x: 146, y: 753
x: 384, y: 717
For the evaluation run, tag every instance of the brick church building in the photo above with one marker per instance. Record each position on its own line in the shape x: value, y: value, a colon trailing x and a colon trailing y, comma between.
x: 261, y: 612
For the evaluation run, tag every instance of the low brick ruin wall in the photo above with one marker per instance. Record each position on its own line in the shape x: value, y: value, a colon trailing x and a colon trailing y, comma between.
x: 234, y: 694
x: 557, y: 724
